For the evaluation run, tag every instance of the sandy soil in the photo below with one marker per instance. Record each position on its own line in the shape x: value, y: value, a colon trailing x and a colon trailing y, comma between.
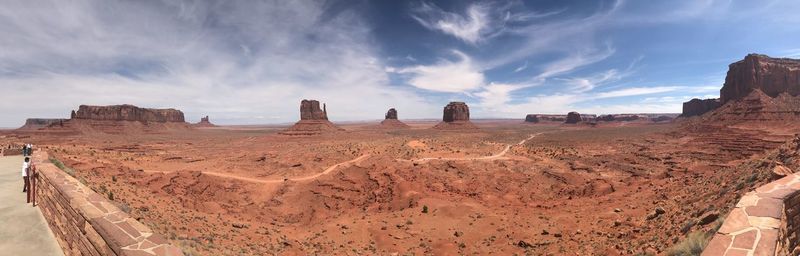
x: 508, y: 188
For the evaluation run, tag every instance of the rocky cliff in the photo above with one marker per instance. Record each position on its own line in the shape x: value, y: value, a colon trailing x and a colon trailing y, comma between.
x: 127, y: 113
x: 390, y: 121
x: 531, y: 118
x: 772, y: 76
x: 309, y: 110
x: 38, y: 123
x: 455, y: 116
x: 696, y: 107
x: 313, y: 120
x: 391, y: 114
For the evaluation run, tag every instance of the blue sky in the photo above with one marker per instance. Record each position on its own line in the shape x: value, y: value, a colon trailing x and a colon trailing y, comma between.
x: 251, y: 62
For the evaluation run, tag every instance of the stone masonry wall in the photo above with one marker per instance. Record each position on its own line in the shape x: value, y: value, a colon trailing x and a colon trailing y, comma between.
x: 85, y: 223
x: 764, y: 222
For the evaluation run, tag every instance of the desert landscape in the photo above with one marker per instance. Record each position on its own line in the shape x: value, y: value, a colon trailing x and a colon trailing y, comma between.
x: 577, y: 184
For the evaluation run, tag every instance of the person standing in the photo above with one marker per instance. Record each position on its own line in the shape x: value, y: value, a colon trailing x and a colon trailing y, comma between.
x: 25, y: 167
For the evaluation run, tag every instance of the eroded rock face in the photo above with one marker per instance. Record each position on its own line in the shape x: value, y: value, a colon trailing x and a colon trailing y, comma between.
x: 204, y: 122
x: 618, y: 118
x: 309, y: 110
x: 455, y: 117
x: 38, y: 123
x: 127, y: 113
x: 456, y: 111
x: 696, y: 107
x: 391, y: 114
x: 772, y: 76
x: 531, y: 118
x: 313, y: 120
x: 573, y: 118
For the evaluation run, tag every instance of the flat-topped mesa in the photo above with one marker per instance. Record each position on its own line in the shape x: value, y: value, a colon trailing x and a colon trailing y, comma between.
x: 531, y: 118
x: 313, y: 120
x: 772, y: 76
x: 38, y: 123
x: 127, y: 113
x: 573, y: 118
x: 455, y: 116
x: 309, y: 110
x: 390, y: 120
x: 620, y: 118
x: 696, y: 107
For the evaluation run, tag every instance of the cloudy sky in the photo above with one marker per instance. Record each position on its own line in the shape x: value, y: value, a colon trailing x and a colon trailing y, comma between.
x: 251, y: 62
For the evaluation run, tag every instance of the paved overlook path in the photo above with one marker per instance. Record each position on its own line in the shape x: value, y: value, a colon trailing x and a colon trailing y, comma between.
x: 23, y: 230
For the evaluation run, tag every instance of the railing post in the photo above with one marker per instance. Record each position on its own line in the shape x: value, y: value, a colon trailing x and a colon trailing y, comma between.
x: 33, y: 176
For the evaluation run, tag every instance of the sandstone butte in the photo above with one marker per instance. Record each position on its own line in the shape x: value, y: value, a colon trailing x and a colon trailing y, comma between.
x: 204, y: 122
x: 390, y: 120
x: 313, y: 120
x: 573, y: 118
x: 455, y: 116
x: 757, y: 85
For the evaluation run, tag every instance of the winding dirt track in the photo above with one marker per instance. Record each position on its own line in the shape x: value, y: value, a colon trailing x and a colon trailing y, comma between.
x: 500, y: 155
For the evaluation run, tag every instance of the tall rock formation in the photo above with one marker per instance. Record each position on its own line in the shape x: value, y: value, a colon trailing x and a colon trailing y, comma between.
x: 573, y: 118
x: 313, y: 120
x: 390, y: 120
x: 772, y: 76
x: 455, y: 116
x: 204, y: 122
x: 696, y: 107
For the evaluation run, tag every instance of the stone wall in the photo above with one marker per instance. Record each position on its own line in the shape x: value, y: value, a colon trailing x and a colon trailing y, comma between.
x: 764, y: 222
x: 85, y: 223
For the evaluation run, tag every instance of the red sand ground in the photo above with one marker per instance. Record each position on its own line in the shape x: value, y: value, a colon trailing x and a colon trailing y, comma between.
x: 507, y: 188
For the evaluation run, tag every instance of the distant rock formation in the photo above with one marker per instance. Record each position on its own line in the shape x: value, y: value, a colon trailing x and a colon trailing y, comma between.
x: 772, y: 76
x: 313, y: 120
x: 696, y: 107
x: 309, y: 110
x: 391, y: 114
x: 619, y: 118
x: 128, y: 113
x: 39, y: 123
x: 573, y: 118
x: 531, y: 118
x: 391, y: 121
x: 120, y: 119
x: 204, y: 122
x: 455, y: 116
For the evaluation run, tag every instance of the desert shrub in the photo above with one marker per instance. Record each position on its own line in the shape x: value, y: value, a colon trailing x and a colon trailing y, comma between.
x: 694, y: 244
x: 111, y: 195
x: 424, y: 209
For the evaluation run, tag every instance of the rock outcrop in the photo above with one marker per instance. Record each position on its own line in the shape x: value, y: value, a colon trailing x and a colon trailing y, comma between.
x: 313, y: 120
x: 772, y: 76
x: 391, y: 121
x: 121, y: 119
x: 620, y: 118
x: 39, y: 123
x: 573, y: 118
x: 204, y: 122
x: 759, y: 107
x: 531, y: 118
x: 128, y: 113
x: 455, y: 116
x: 696, y: 107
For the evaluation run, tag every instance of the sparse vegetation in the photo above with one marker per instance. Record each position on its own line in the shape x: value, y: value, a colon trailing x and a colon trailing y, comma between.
x: 424, y: 209
x: 694, y: 244
x: 111, y: 195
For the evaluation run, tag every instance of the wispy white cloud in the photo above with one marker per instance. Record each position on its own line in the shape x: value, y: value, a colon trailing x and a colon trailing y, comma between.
x: 238, y: 62
x: 445, y: 76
